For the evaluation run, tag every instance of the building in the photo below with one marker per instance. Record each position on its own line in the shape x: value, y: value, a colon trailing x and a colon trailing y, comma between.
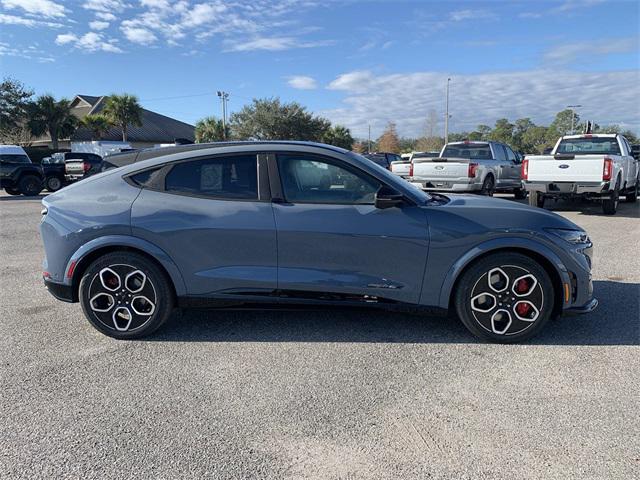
x: 155, y: 128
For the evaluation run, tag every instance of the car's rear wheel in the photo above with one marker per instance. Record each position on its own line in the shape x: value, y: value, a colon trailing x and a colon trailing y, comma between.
x: 488, y: 186
x: 53, y: 184
x: 30, y: 185
x: 125, y: 295
x: 632, y: 196
x: 610, y: 205
x: 505, y: 298
x: 536, y: 199
x: 12, y: 191
x: 520, y: 193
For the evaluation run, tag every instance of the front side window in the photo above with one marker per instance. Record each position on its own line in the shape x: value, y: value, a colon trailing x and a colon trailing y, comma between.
x: 510, y: 155
x: 313, y: 180
x: 229, y: 177
x: 8, y: 158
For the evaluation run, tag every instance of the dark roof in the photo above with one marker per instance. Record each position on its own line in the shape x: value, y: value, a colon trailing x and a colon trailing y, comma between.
x: 155, y: 128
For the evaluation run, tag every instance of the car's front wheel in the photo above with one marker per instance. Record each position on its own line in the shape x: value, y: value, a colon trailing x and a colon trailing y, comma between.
x: 505, y: 298
x: 30, y: 185
x: 125, y: 295
x: 12, y: 191
x: 53, y: 184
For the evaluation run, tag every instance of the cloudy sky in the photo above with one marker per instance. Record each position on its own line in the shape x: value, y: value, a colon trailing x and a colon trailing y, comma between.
x: 355, y: 62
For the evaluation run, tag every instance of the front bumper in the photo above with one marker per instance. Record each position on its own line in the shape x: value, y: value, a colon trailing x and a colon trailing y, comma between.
x: 587, y: 308
x: 61, y: 291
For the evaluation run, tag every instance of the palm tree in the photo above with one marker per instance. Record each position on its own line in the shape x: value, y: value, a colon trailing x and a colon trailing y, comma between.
x: 210, y: 129
x: 55, y: 118
x: 123, y: 110
x: 97, y: 124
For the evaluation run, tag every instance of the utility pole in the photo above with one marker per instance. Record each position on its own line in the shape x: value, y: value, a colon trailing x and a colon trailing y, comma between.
x: 369, y: 142
x: 573, y: 114
x: 224, y: 98
x: 446, y: 116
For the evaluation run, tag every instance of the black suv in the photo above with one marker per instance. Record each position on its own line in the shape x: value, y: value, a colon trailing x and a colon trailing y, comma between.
x: 17, y: 174
x: 383, y: 159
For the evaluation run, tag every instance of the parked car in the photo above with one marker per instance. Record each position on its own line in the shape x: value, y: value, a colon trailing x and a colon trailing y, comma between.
x: 53, y: 170
x: 591, y: 166
x: 79, y: 165
x: 384, y: 159
x: 402, y: 167
x: 297, y: 223
x: 483, y: 167
x: 17, y: 174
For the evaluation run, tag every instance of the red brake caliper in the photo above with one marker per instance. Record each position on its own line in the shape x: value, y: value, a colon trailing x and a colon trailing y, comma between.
x: 523, y: 309
x: 522, y: 286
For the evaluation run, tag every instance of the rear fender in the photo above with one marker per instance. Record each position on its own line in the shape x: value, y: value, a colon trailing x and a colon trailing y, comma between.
x: 134, y: 243
x: 494, y: 245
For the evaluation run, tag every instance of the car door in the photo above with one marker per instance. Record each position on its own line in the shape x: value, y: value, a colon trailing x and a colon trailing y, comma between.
x: 213, y: 217
x: 512, y: 170
x: 333, y: 240
x: 501, y: 165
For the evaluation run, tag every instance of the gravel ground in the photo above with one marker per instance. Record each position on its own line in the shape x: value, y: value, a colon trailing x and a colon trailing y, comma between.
x: 327, y: 394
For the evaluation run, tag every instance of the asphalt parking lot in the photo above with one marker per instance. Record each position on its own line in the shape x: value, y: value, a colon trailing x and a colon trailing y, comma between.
x: 325, y: 394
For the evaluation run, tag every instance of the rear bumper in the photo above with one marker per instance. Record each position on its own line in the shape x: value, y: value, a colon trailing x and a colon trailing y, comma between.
x: 567, y: 188
x: 442, y: 185
x: 61, y: 291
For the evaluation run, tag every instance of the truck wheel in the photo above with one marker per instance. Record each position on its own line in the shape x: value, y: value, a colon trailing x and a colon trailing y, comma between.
x: 30, y: 185
x: 488, y: 186
x: 536, y: 199
x: 610, y: 205
x: 12, y: 191
x: 53, y: 184
x: 520, y: 193
x: 632, y: 196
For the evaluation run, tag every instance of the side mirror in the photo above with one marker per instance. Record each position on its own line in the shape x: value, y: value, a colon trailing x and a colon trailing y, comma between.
x: 387, y: 197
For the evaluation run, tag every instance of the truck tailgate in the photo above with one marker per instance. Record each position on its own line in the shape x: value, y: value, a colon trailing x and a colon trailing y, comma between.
x: 440, y: 168
x: 74, y: 167
x: 401, y: 168
x: 581, y: 168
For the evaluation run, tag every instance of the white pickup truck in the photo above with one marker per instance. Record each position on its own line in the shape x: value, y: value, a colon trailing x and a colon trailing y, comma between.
x: 594, y: 166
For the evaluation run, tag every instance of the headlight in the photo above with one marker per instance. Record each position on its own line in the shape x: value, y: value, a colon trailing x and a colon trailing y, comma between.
x: 575, y: 237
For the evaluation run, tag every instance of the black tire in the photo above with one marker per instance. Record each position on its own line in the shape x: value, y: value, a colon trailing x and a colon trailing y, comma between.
x: 610, y: 205
x: 30, y: 185
x: 632, y: 196
x: 12, y: 191
x: 53, y: 184
x: 536, y: 199
x: 130, y: 312
x: 520, y: 193
x: 490, y: 322
x: 488, y: 186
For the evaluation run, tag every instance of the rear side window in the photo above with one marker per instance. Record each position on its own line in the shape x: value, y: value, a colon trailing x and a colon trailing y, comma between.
x: 592, y: 145
x: 230, y: 177
x: 142, y: 179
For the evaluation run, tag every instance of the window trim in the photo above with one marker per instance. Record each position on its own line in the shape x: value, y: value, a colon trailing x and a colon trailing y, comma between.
x: 322, y: 158
x: 159, y: 185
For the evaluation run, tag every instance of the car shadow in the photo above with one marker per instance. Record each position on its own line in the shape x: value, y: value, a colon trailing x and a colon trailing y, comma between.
x: 585, y: 207
x: 615, y: 322
x: 10, y: 198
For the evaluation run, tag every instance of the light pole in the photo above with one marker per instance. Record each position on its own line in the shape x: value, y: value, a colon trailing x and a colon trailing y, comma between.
x: 224, y: 97
x: 369, y: 142
x: 573, y: 114
x: 446, y: 116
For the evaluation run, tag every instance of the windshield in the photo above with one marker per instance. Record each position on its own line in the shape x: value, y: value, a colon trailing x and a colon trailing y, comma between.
x: 474, y: 151
x: 14, y: 158
x: 595, y: 145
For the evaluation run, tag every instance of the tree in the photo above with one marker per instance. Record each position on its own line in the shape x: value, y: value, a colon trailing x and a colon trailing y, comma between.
x: 211, y: 129
x: 46, y: 115
x: 339, y: 136
x: 429, y: 144
x: 535, y: 139
x: 502, y: 132
x: 484, y: 131
x: 123, y: 110
x: 388, y: 141
x: 270, y: 119
x: 359, y: 146
x: 14, y: 99
x: 562, y: 123
x: 97, y: 124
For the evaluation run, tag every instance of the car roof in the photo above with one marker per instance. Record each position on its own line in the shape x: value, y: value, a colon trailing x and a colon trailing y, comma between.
x: 126, y: 158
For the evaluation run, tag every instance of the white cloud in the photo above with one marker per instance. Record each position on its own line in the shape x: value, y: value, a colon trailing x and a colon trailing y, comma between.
x: 107, y: 17
x: 98, y: 25
x: 46, y: 8
x: 26, y: 22
x: 570, y: 52
x: 203, y: 13
x: 482, y: 98
x: 469, y: 14
x: 302, y: 82
x: 89, y: 42
x: 274, y: 44
x: 31, y: 52
x: 105, y: 5
x: 138, y: 35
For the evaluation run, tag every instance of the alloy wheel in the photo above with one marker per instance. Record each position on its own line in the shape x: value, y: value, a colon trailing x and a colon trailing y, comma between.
x: 122, y: 297
x: 507, y: 300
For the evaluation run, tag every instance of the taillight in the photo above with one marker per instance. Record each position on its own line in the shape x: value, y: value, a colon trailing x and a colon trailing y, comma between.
x: 411, y: 169
x: 473, y: 168
x: 607, y: 169
x: 524, y: 173
x: 86, y: 166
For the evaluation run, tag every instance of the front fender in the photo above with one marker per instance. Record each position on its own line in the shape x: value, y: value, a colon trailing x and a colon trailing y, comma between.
x: 131, y: 242
x: 493, y: 245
